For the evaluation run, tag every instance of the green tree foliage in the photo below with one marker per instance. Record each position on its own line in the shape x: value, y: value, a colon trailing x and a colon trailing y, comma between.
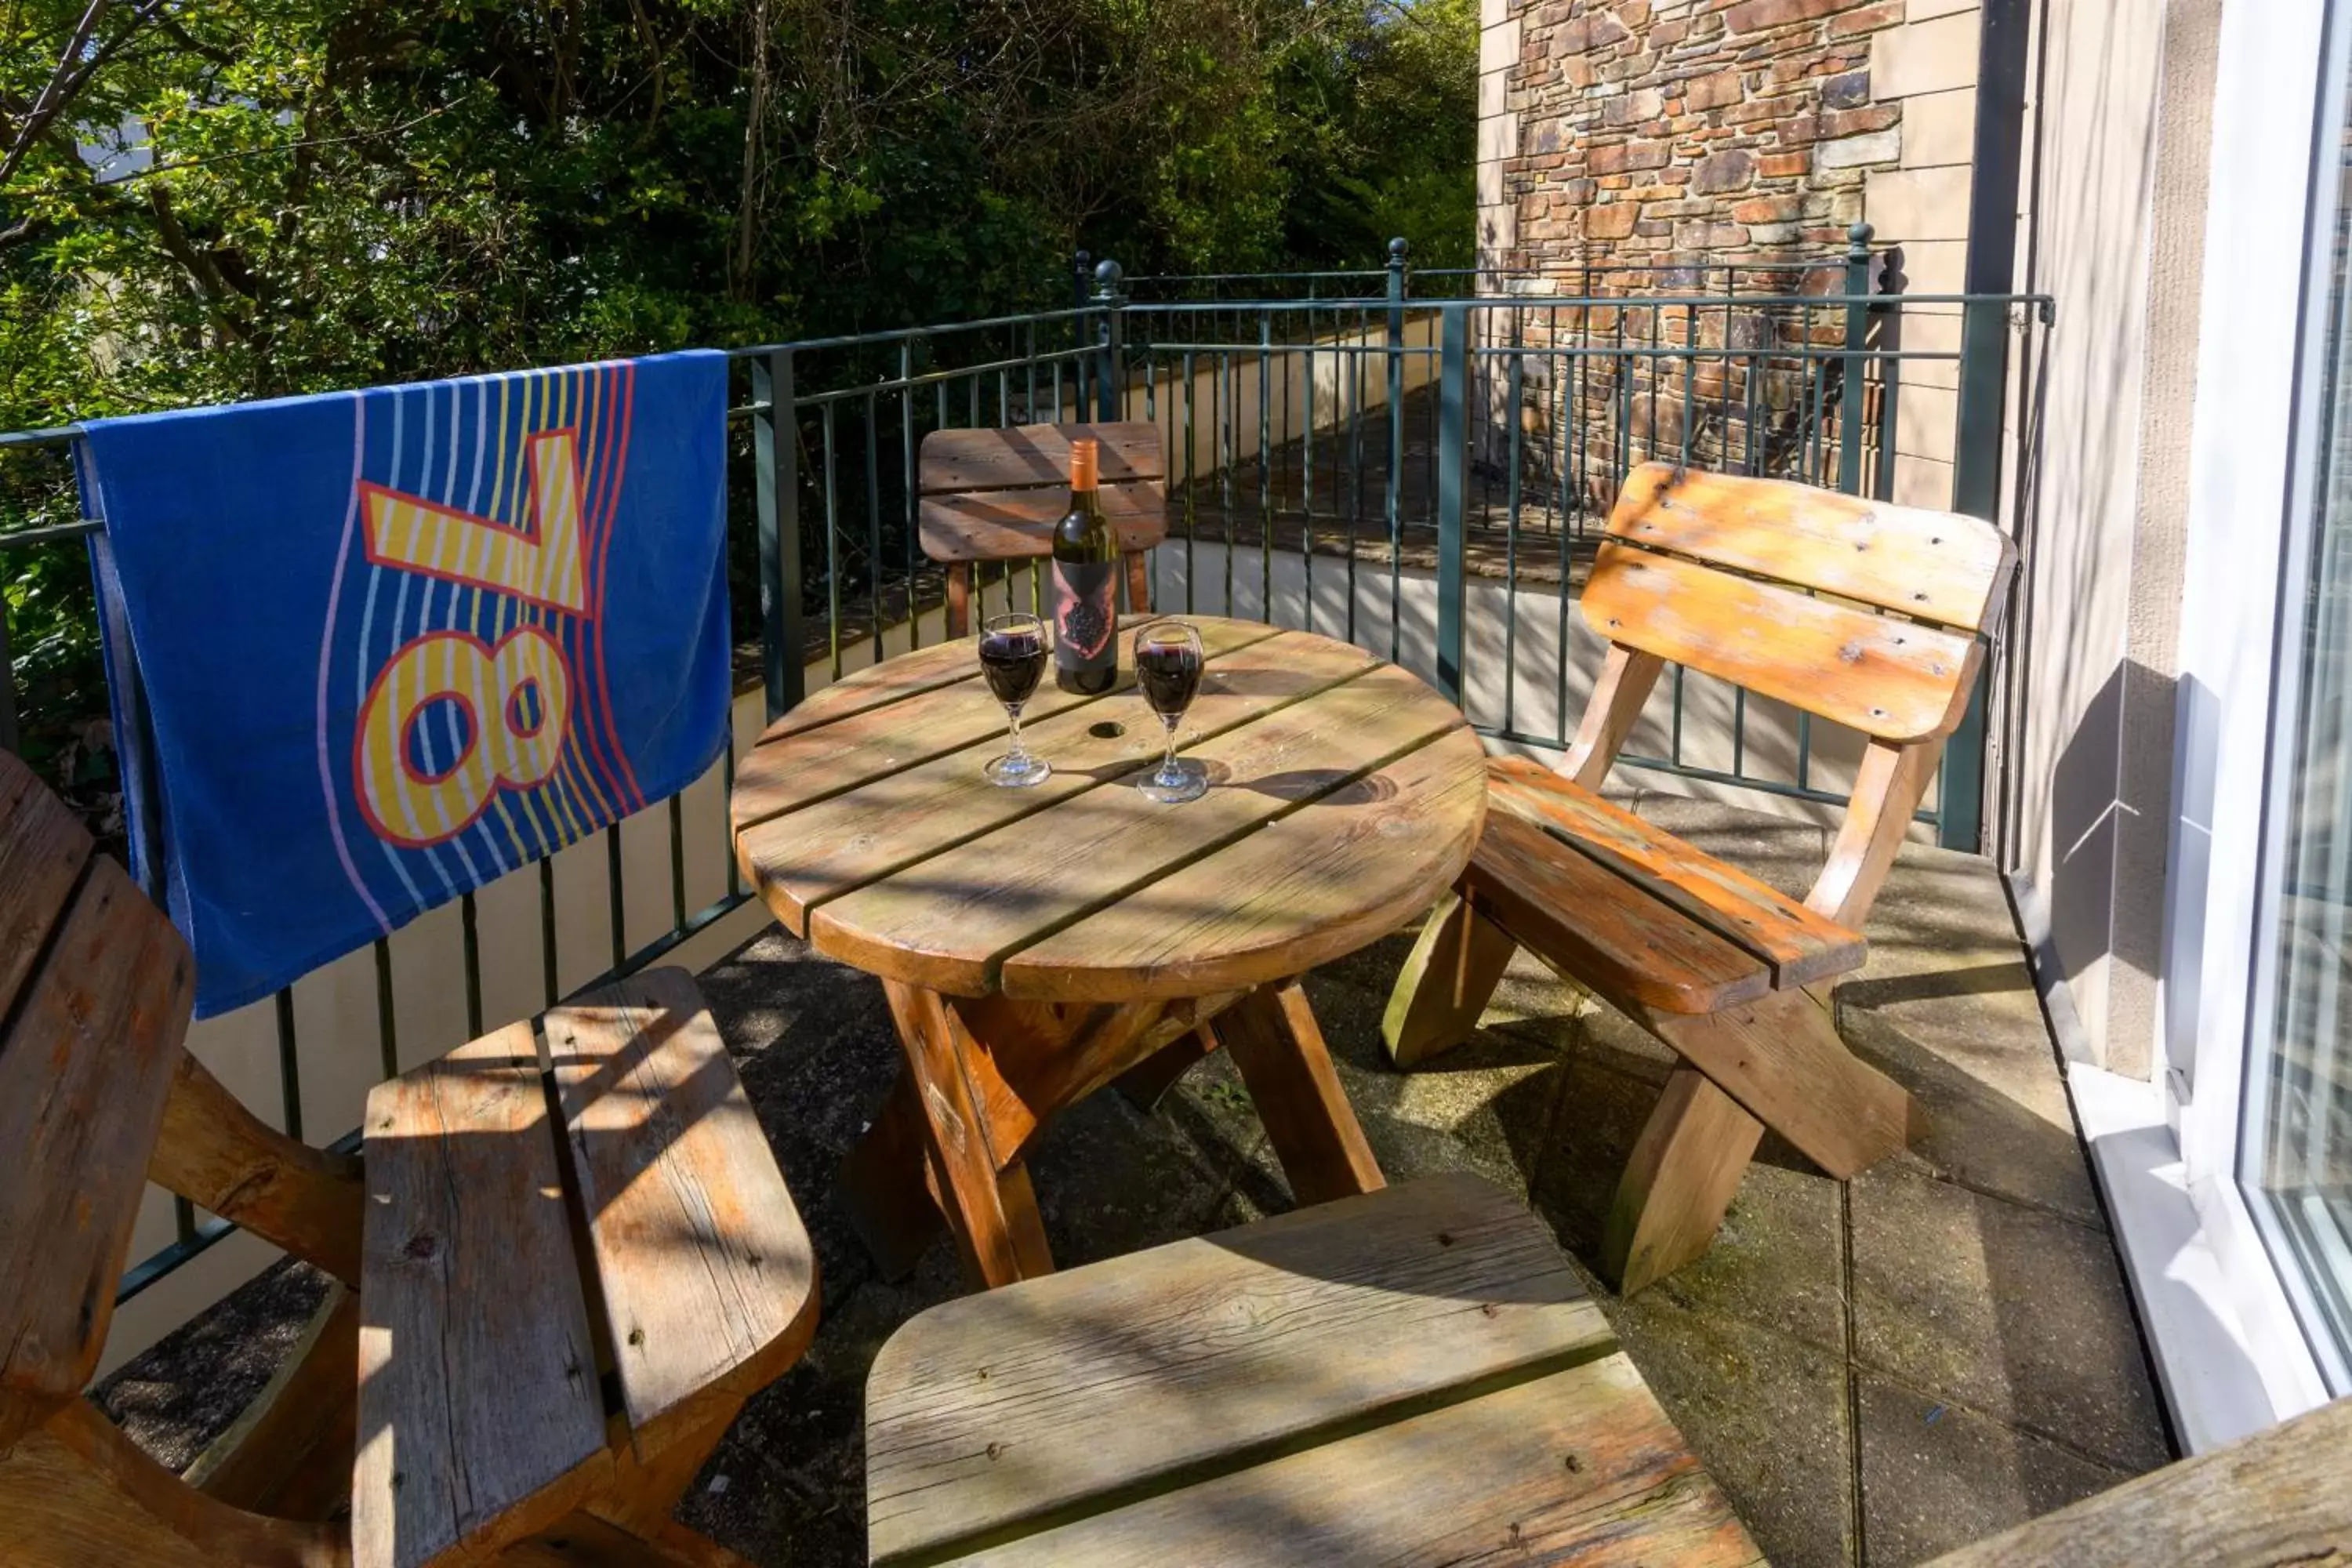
x: 217, y: 199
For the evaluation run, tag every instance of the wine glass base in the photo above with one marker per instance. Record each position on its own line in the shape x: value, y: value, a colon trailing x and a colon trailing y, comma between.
x: 1013, y: 771
x: 1190, y: 781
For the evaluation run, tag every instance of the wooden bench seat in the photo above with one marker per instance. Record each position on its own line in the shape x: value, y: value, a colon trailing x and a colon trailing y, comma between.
x: 1650, y: 920
x: 1865, y: 615
x: 565, y: 1266
x: 577, y: 1267
x: 1411, y: 1376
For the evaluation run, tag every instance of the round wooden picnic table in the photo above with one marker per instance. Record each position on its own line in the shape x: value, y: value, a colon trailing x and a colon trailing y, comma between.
x: 1038, y: 944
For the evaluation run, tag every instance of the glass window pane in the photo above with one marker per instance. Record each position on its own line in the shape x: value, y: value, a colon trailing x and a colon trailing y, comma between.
x: 2295, y: 1156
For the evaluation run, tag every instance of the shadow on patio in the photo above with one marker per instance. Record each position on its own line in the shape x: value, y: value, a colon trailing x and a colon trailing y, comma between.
x: 1875, y: 1374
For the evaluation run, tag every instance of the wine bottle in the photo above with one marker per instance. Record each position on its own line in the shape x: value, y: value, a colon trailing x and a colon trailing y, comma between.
x: 1084, y: 584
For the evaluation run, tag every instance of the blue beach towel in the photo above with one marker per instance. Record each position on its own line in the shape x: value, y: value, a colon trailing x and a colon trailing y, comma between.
x: 395, y: 644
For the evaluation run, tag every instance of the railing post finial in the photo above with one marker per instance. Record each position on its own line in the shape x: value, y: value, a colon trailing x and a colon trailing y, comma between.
x: 1111, y: 380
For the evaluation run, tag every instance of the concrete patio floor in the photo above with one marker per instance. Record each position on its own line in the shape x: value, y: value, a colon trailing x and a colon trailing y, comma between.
x: 1875, y: 1372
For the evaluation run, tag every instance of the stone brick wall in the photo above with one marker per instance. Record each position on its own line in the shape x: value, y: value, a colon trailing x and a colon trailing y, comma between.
x: 1666, y: 131
x: 1633, y: 148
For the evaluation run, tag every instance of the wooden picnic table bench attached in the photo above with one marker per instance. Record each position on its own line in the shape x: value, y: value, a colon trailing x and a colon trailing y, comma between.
x: 1414, y: 1376
x: 1869, y: 615
x: 581, y: 1260
x: 568, y: 1259
x: 1036, y: 944
x: 996, y: 494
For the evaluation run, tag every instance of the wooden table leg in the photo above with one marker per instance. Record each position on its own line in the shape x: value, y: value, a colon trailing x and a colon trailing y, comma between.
x: 1279, y: 1048
x: 886, y: 1185
x: 1017, y: 1064
x: 993, y: 1217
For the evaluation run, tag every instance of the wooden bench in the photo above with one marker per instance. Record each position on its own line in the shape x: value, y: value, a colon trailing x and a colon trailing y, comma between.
x: 2281, y: 1495
x: 577, y: 1268
x: 1411, y: 1376
x: 996, y: 495
x: 556, y: 1287
x: 1869, y: 615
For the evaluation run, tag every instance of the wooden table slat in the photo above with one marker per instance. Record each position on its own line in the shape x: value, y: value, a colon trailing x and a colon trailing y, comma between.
x: 893, y: 681
x: 1300, y: 891
x: 479, y: 1418
x: 1198, y: 1356
x: 874, y: 741
x: 854, y: 837
x: 947, y: 921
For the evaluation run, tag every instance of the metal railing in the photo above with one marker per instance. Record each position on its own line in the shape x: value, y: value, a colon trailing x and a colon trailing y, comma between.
x: 1421, y: 475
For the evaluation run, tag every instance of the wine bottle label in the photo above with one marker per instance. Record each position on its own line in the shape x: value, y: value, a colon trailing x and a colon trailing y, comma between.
x: 1086, y: 613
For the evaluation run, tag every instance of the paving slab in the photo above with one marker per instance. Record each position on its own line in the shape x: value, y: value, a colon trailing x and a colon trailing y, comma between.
x: 1601, y: 1112
x: 1946, y: 1007
x: 1766, y: 1413
x: 1485, y: 1107
x: 2020, y: 1314
x: 1936, y: 1476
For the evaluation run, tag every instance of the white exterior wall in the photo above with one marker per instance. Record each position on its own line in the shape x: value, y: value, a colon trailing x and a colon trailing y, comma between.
x: 2091, y: 151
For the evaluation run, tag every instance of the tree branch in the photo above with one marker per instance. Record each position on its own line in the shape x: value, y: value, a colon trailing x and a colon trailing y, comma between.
x: 198, y: 265
x: 65, y: 83
x: 303, y: 145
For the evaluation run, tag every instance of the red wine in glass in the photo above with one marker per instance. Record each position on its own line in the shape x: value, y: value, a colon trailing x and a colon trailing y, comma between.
x: 1169, y: 673
x: 1014, y: 661
x: 1168, y: 659
x: 1012, y: 652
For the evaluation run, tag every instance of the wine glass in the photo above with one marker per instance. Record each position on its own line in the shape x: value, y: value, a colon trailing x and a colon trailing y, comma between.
x: 1168, y: 666
x: 1013, y: 657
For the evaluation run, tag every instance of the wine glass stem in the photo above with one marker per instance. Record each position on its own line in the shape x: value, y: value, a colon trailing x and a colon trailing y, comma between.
x: 1167, y: 774
x: 1012, y: 714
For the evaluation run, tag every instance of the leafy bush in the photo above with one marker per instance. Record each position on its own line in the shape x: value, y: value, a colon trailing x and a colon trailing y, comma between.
x: 258, y: 197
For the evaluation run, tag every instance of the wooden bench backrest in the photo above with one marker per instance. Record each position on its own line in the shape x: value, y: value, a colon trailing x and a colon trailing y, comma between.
x: 996, y: 495
x: 1742, y: 578
x: 97, y: 1096
x: 1786, y: 590
x: 96, y: 988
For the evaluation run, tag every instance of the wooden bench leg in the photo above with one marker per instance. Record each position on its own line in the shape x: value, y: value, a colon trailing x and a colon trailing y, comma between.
x: 289, y: 1454
x: 1782, y: 1058
x: 1027, y: 1061
x: 885, y: 1186
x: 1452, y: 970
x: 1279, y: 1048
x: 1776, y: 1062
x: 994, y: 1216
x: 1685, y: 1166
